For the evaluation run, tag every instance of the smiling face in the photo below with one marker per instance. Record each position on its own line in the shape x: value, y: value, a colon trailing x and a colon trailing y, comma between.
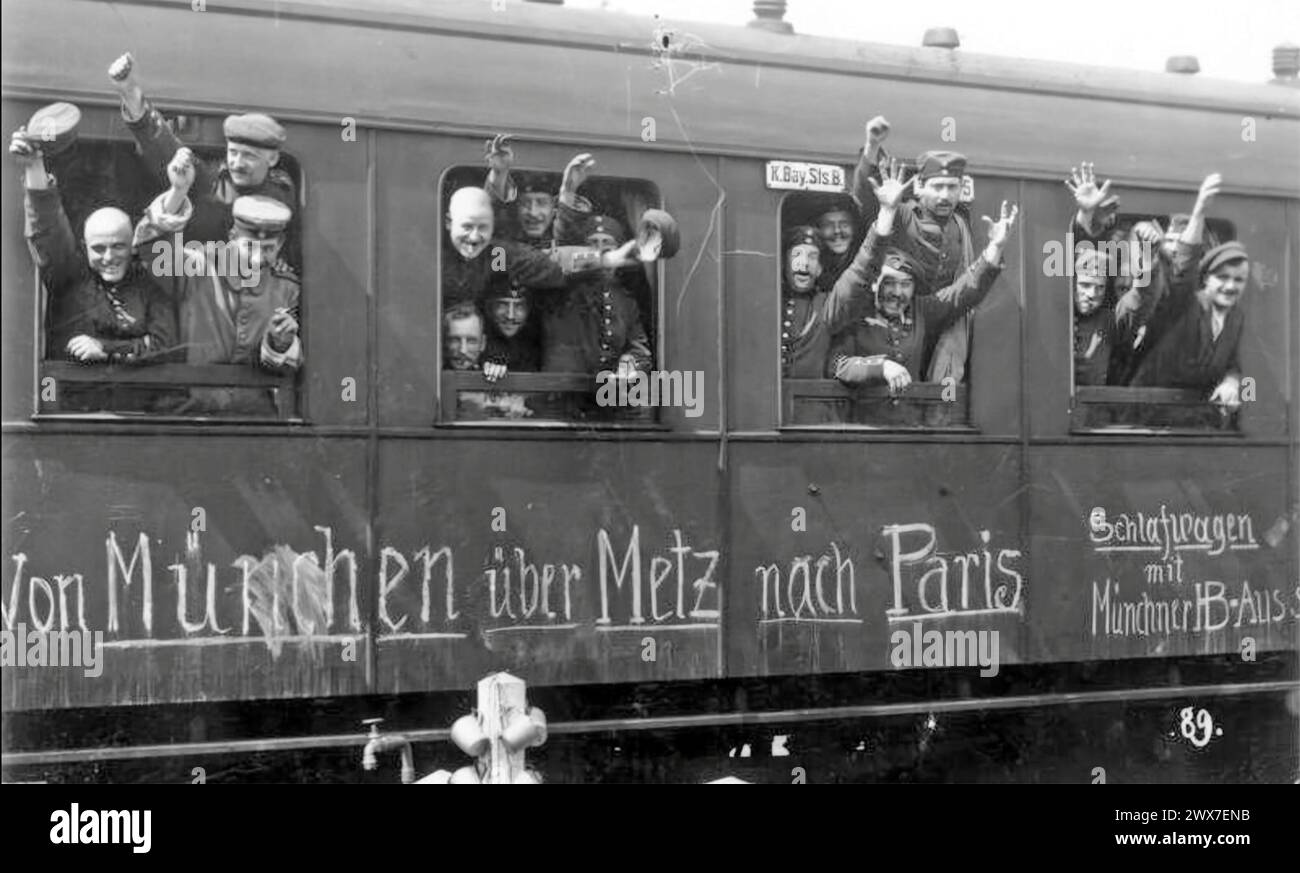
x: 836, y: 230
x: 803, y: 266
x: 469, y: 222
x: 464, y: 341
x: 509, y: 314
x: 248, y: 164
x: 894, y: 292
x: 108, y: 243
x: 939, y: 195
x: 1225, y: 285
x: 535, y: 211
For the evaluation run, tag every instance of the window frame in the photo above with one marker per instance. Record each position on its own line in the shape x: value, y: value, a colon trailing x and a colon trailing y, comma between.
x: 1125, y: 399
x: 290, y: 394
x: 833, y: 387
x: 444, y: 406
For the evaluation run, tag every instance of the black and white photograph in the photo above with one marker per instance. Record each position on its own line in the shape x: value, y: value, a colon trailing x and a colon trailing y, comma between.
x: 652, y: 392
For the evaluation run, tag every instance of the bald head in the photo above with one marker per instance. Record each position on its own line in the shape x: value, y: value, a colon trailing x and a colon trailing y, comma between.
x: 108, y: 243
x: 109, y: 220
x: 469, y: 221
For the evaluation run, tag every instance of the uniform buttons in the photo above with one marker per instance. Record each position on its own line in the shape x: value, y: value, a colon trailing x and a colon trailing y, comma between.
x: 785, y: 335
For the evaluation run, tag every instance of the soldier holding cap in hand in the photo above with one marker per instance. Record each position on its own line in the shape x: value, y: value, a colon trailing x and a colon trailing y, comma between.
x: 102, y: 306
x: 253, y: 144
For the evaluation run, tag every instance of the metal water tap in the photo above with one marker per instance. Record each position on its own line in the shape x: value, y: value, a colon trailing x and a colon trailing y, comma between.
x: 377, y: 742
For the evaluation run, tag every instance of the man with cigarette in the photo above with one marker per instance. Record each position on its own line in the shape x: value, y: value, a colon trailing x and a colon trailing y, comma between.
x: 237, y: 309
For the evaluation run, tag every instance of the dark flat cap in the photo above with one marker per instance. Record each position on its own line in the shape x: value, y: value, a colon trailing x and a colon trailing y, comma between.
x: 535, y: 183
x: 1224, y: 253
x: 53, y: 128
x: 657, y: 219
x: 254, y: 129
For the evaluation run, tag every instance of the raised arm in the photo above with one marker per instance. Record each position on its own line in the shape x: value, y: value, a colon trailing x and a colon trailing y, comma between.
x: 573, y: 210
x: 1088, y: 197
x: 877, y: 131
x: 500, y: 157
x: 973, y: 284
x: 1183, y: 279
x: 171, y: 210
x: 49, y: 233
x: 158, y: 142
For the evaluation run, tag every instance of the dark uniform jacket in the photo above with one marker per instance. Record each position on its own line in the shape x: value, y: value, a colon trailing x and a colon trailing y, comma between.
x: 521, y: 353
x: 467, y: 281
x: 134, y: 320
x: 1184, y: 352
x: 1094, y: 340
x: 214, y: 192
x: 859, y: 351
x: 591, y: 325
x: 943, y: 249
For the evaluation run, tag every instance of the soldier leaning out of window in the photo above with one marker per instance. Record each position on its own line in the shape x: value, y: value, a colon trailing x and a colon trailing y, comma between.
x: 595, y: 324
x: 477, y: 253
x: 527, y: 208
x: 251, y: 167
x: 102, y: 304
x: 887, y: 344
x: 240, y: 304
x: 463, y: 344
x: 1196, y: 329
x: 514, y: 342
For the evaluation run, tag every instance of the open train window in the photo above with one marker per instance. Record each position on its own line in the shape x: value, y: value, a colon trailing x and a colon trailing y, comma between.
x: 123, y: 349
x: 821, y: 329
x: 1125, y: 317
x: 521, y: 341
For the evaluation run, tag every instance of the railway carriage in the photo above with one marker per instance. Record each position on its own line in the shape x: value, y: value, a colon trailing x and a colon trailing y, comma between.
x: 670, y: 585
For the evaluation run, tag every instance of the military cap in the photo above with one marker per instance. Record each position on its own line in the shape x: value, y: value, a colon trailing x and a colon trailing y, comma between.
x: 802, y: 235
x: 939, y: 163
x: 1224, y: 253
x: 264, y: 216
x: 657, y: 219
x: 506, y: 289
x: 53, y: 128
x: 254, y: 129
x: 605, y: 224
x: 896, y: 259
x: 534, y: 183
